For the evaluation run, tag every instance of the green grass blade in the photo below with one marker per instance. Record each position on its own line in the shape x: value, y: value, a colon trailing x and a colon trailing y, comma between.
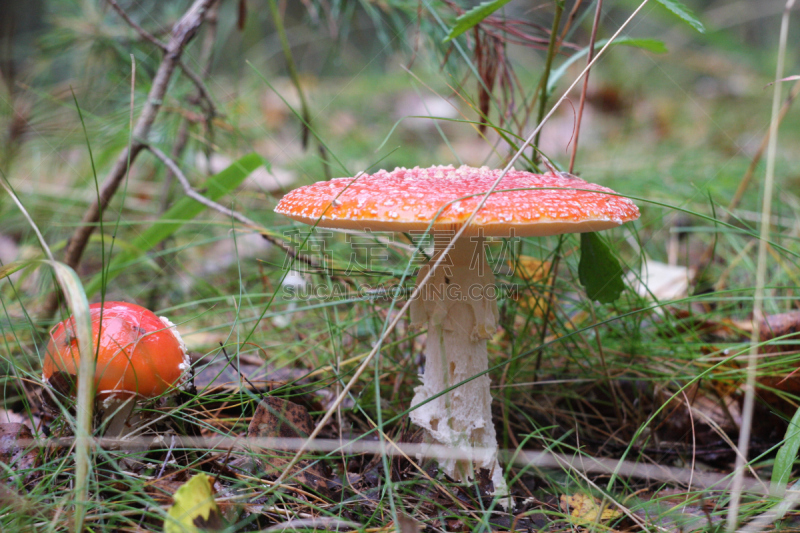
x: 682, y: 12
x: 651, y: 45
x: 10, y: 268
x: 184, y: 210
x: 78, y: 306
x: 784, y: 461
x: 473, y: 17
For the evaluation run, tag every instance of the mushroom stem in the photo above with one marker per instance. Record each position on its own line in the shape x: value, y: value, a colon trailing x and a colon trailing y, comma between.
x: 115, y: 412
x: 459, y: 306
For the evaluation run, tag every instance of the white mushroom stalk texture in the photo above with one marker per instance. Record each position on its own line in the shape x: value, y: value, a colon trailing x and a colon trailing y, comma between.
x: 457, y: 304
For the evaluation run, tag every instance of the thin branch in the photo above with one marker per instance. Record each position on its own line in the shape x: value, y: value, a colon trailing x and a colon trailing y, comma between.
x: 589, y: 57
x: 707, y: 255
x: 202, y: 90
x: 143, y: 33
x: 196, y: 196
x: 182, y: 32
x: 152, y: 39
x: 230, y: 213
x: 551, y: 52
x: 572, y: 15
x: 182, y: 137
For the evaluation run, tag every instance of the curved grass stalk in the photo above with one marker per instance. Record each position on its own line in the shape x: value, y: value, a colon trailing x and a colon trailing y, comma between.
x: 761, y: 270
x: 79, y: 309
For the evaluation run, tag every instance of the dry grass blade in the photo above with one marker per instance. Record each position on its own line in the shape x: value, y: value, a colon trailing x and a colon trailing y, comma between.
x: 761, y: 269
x: 585, y: 87
x: 328, y: 524
x: 766, y: 520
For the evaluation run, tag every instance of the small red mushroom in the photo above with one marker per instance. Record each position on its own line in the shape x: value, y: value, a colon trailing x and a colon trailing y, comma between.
x: 140, y: 356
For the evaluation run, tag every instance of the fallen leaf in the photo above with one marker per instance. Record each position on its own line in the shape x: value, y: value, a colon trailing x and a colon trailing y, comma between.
x: 406, y: 524
x: 281, y: 419
x: 194, y: 509
x: 775, y: 387
x: 587, y: 509
x: 661, y: 281
x: 18, y: 455
x: 786, y: 325
x: 535, y: 273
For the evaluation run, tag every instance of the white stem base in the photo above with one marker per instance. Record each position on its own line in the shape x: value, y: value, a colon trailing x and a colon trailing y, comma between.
x: 460, y: 311
x: 116, y: 410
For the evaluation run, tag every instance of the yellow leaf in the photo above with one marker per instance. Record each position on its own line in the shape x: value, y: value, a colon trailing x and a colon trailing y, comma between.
x: 535, y: 273
x: 194, y: 510
x: 530, y: 269
x: 586, y: 508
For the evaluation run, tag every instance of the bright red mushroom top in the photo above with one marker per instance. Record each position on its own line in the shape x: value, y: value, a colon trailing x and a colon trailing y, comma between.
x: 139, y: 352
x: 410, y: 199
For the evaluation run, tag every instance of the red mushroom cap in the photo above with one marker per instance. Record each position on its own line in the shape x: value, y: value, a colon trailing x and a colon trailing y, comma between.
x: 409, y: 199
x: 139, y: 353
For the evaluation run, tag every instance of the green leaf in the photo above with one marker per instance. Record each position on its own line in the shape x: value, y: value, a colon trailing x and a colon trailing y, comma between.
x: 181, y: 212
x: 599, y: 270
x: 784, y: 460
x: 683, y: 13
x: 651, y: 45
x: 474, y: 17
x: 194, y: 509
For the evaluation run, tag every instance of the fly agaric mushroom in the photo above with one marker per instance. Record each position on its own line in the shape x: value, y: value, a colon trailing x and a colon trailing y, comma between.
x: 140, y: 356
x: 457, y: 303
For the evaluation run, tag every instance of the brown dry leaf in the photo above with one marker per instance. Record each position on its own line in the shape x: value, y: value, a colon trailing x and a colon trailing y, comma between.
x: 455, y: 525
x: 13, y: 453
x: 278, y: 418
x: 781, y: 325
x: 530, y: 268
x: 774, y: 388
x: 406, y: 524
x: 587, y: 509
x: 10, y: 417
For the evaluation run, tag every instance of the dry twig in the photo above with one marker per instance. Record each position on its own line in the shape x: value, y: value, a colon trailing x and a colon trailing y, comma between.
x: 182, y: 33
x: 202, y: 91
x: 589, y: 57
x: 230, y: 213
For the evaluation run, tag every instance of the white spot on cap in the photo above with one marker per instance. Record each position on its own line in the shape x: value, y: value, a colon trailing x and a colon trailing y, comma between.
x: 187, y: 362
